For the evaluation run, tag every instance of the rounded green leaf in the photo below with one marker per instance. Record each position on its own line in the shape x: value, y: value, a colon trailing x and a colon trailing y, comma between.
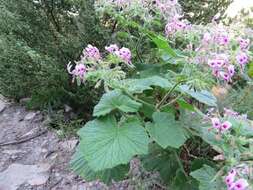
x: 166, y: 131
x: 115, y: 100
x: 106, y: 144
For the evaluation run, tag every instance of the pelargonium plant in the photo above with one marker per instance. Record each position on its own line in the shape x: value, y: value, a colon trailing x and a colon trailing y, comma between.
x: 158, y: 107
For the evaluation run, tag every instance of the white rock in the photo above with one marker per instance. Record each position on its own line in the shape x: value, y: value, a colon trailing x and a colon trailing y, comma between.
x: 2, y: 105
x: 69, y: 145
x: 67, y: 108
x: 17, y: 174
x: 39, y: 180
x: 24, y: 100
x: 10, y: 152
x: 30, y: 116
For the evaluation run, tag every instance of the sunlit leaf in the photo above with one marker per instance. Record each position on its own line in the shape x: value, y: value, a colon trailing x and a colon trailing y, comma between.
x: 115, y: 100
x: 106, y: 143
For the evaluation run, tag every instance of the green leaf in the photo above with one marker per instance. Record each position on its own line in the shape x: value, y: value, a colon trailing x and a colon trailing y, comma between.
x: 115, y: 100
x: 202, y: 96
x: 166, y: 131
x: 80, y: 166
x: 162, y: 44
x: 183, y: 104
x: 139, y: 85
x: 180, y: 182
x: 162, y: 161
x: 205, y: 176
x: 199, y: 162
x: 242, y: 127
x: 250, y: 70
x: 107, y: 144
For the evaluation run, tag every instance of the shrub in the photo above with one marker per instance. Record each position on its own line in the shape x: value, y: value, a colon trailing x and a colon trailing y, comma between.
x: 37, y: 38
x: 161, y: 110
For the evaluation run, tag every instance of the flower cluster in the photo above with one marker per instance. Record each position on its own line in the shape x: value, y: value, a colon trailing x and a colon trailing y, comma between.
x: 221, y: 38
x: 124, y: 53
x: 91, y: 59
x: 221, y: 68
x: 175, y: 25
x: 78, y: 72
x: 165, y: 6
x: 147, y: 10
x: 240, y: 184
x: 217, y: 50
x: 244, y: 43
x: 219, y: 126
x: 91, y: 53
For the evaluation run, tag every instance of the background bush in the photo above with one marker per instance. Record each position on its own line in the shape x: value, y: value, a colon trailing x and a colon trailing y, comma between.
x: 202, y: 11
x: 37, y: 40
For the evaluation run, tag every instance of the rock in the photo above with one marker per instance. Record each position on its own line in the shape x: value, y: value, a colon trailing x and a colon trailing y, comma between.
x: 18, y: 174
x: 10, y: 152
x: 69, y: 145
x: 29, y: 116
x: 67, y: 108
x: 24, y: 100
x: 2, y: 105
x: 39, y: 180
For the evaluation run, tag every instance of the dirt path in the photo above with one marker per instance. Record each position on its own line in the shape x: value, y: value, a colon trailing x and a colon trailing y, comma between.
x: 34, y: 158
x: 31, y: 157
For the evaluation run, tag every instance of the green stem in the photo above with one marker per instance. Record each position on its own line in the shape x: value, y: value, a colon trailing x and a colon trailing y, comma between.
x: 173, y: 101
x: 180, y: 164
x: 137, y: 99
x: 137, y: 48
x: 167, y: 95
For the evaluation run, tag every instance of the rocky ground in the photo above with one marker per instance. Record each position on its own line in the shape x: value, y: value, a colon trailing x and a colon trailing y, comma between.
x: 32, y: 157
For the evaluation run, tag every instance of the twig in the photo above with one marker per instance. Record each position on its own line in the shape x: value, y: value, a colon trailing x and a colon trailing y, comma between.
x: 23, y: 140
x: 168, y: 95
x: 180, y: 164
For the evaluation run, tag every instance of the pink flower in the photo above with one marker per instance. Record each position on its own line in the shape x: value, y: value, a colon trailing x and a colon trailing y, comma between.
x: 169, y: 28
x: 207, y: 37
x: 241, y: 184
x: 229, y: 112
x: 215, y: 72
x: 232, y: 172
x: 242, y: 58
x: 231, y: 70
x: 79, y: 71
x: 225, y: 126
x: 244, y: 43
x: 91, y: 52
x: 165, y: 6
x: 216, y: 123
x: 125, y: 55
x: 112, y: 48
x: 222, y: 39
x: 229, y: 179
x: 225, y: 76
x: 179, y: 25
x: 174, y: 26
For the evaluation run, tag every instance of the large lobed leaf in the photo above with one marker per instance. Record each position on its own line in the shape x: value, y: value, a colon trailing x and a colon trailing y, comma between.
x: 202, y: 96
x: 81, y: 167
x: 115, y: 100
x: 162, y: 44
x: 166, y: 131
x: 162, y: 161
x: 139, y: 85
x: 206, y: 178
x: 106, y: 144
